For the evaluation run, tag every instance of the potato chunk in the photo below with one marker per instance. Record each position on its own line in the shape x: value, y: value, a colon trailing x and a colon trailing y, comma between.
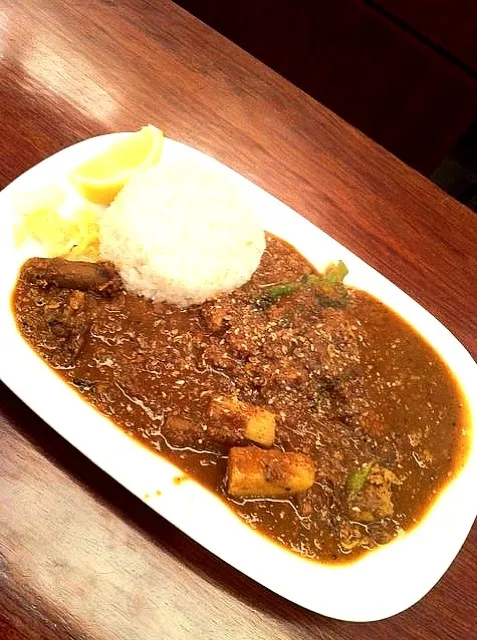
x: 243, y: 421
x: 254, y: 472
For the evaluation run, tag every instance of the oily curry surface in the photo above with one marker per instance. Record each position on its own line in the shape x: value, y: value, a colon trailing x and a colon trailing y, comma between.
x: 349, y: 384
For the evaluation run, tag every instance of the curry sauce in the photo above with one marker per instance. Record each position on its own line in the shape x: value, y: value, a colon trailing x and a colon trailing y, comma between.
x: 350, y: 385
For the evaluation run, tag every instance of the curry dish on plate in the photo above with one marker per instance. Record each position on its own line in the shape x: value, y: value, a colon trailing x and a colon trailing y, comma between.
x: 317, y: 414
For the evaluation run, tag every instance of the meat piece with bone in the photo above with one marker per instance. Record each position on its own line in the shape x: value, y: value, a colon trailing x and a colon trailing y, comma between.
x: 101, y: 278
x: 231, y: 422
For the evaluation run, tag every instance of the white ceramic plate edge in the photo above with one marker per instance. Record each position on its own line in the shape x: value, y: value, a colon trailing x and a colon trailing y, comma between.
x: 384, y: 582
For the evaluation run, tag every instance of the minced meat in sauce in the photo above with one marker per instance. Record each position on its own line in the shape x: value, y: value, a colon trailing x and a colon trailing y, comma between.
x: 348, y: 382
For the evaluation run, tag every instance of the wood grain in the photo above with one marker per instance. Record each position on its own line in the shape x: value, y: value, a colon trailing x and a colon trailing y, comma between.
x: 79, y: 557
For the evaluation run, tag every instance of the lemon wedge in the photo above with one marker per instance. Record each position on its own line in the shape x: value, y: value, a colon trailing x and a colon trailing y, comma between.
x: 100, y: 179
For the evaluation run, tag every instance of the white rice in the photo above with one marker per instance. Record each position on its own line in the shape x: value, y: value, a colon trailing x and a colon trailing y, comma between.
x: 182, y: 233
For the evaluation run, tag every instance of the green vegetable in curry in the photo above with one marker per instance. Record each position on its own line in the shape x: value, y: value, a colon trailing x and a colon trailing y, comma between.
x: 357, y: 477
x: 329, y: 288
x: 274, y: 292
x: 336, y: 272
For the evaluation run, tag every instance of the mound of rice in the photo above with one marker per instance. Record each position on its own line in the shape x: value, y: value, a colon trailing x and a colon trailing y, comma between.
x: 182, y: 233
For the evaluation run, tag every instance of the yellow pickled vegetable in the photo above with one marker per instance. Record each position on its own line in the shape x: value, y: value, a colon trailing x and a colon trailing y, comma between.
x: 75, y: 236
x: 37, y: 210
x: 84, y: 232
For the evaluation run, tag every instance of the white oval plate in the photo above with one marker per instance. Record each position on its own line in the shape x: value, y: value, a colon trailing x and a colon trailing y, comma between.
x: 380, y: 584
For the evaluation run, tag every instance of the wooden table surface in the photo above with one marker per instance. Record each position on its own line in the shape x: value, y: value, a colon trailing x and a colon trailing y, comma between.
x: 80, y: 557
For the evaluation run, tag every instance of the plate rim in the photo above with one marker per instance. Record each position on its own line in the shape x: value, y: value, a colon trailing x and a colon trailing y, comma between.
x: 164, y: 506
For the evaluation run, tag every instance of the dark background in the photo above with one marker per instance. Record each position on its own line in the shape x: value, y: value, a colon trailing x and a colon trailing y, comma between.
x: 402, y: 71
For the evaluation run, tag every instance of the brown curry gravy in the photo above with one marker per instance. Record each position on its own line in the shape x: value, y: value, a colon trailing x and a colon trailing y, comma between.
x: 370, y: 389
